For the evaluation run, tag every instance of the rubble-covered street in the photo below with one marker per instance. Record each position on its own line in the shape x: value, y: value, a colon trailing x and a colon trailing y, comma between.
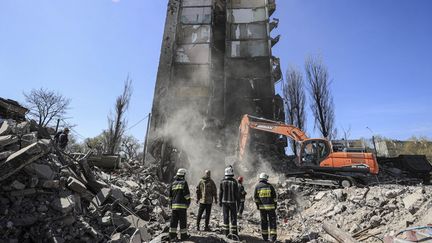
x: 46, y: 194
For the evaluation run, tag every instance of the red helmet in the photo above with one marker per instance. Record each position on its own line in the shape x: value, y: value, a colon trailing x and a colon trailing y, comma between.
x: 240, y: 179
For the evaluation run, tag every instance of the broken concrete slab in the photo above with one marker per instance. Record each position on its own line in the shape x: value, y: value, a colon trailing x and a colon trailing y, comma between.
x: 42, y: 171
x: 413, y: 201
x: 75, y: 185
x: 22, y: 158
x: 5, y: 154
x: 16, y: 185
x: 135, y: 222
x: 63, y: 204
x: 102, y: 196
x: 8, y: 140
x: 28, y: 139
x: 132, y: 184
x: 5, y: 128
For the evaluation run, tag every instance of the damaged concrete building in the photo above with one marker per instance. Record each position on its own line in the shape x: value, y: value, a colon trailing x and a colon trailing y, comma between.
x: 216, y: 64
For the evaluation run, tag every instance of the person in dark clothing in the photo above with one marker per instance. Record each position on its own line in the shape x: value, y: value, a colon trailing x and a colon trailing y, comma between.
x: 229, y: 200
x: 62, y: 139
x: 242, y: 194
x: 206, y: 192
x: 265, y: 199
x: 179, y: 197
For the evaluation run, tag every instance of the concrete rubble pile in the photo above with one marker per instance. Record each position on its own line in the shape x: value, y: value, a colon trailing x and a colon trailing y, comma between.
x: 367, y: 214
x: 46, y: 195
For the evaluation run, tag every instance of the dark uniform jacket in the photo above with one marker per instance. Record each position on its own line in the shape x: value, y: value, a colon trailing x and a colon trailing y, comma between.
x: 265, y: 196
x: 229, y: 191
x: 206, y: 191
x: 242, y: 193
x: 179, y: 194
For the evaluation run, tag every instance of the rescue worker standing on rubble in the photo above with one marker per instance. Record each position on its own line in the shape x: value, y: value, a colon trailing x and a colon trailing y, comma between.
x: 242, y: 194
x: 179, y: 201
x: 206, y: 192
x: 265, y: 199
x: 62, y: 138
x: 229, y: 200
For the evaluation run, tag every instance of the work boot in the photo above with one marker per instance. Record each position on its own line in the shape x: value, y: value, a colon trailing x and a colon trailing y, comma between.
x: 207, y: 228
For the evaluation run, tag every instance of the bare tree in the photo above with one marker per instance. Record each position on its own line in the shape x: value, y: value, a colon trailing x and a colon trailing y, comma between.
x: 45, y: 106
x: 295, y: 100
x: 117, y: 124
x: 130, y: 146
x: 321, y: 98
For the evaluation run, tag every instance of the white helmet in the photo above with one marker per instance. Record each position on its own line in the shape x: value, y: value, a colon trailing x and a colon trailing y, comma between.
x: 181, y: 172
x: 229, y: 171
x: 263, y: 176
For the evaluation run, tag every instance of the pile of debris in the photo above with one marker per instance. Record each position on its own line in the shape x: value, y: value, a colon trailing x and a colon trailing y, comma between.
x: 365, y: 214
x: 46, y: 194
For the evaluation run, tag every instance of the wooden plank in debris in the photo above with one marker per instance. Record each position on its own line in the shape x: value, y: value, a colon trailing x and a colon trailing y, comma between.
x: 338, y: 234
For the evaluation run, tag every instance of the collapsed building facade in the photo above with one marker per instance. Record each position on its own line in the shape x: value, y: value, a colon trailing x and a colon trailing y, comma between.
x: 216, y: 64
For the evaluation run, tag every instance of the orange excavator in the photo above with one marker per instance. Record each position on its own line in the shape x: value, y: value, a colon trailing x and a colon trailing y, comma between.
x: 316, y: 159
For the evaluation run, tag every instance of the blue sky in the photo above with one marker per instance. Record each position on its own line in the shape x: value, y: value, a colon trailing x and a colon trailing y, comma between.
x: 378, y: 54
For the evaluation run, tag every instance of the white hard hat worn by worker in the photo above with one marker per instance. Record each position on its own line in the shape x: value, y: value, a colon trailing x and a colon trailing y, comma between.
x: 181, y: 172
x: 229, y: 171
x: 263, y: 176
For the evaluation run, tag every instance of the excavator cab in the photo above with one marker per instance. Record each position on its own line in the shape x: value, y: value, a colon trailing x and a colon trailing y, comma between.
x: 313, y: 152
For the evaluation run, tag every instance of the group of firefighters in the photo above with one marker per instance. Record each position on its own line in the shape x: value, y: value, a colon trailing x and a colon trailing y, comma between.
x: 231, y: 198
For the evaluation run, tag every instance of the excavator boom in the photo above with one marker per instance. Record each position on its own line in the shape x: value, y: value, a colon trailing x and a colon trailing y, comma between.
x: 266, y: 125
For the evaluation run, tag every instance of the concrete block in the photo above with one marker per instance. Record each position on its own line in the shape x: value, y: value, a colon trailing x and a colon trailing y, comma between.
x: 16, y: 185
x: 4, y: 155
x: 413, y: 201
x: 5, y: 128
x: 8, y: 140
x: 21, y: 158
x: 132, y: 184
x: 102, y: 196
x: 75, y: 185
x: 40, y: 170
x: 28, y: 139
x: 135, y: 222
x: 319, y: 196
x: 63, y: 204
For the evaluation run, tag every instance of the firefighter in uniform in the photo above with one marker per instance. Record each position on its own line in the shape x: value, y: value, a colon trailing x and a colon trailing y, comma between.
x: 242, y: 194
x: 179, y: 200
x: 265, y: 199
x: 229, y: 200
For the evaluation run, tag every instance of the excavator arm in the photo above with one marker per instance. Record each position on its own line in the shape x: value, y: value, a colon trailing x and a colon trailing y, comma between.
x: 262, y: 124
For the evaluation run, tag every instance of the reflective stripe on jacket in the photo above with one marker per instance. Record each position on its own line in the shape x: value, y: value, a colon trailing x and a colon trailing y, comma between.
x: 179, y: 194
x: 265, y: 196
x: 228, y: 191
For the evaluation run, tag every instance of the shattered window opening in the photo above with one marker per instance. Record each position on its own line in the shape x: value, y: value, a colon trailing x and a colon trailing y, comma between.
x: 249, y: 31
x: 243, y: 16
x: 258, y: 48
x: 191, y: 34
x: 193, y: 53
x: 197, y: 3
x: 200, y: 15
x: 248, y: 3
